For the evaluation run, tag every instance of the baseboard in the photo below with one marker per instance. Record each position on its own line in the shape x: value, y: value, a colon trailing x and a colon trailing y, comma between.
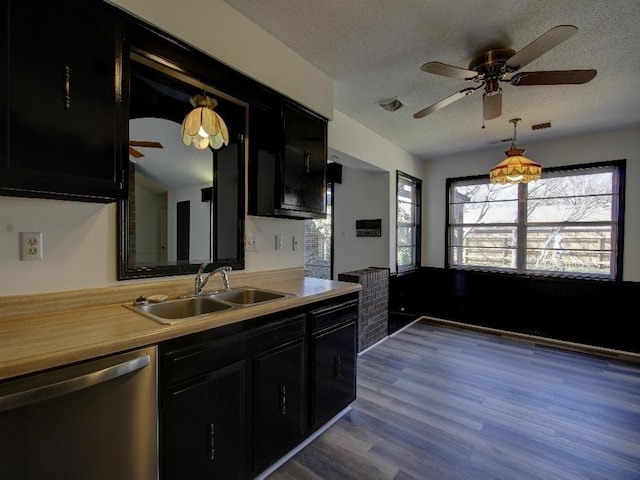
x: 577, y: 347
x: 300, y: 446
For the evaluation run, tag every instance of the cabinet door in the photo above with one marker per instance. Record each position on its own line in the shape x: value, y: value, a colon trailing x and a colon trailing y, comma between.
x: 204, y: 428
x: 62, y: 120
x: 265, y: 142
x: 304, y: 162
x: 334, y: 378
x: 279, y: 402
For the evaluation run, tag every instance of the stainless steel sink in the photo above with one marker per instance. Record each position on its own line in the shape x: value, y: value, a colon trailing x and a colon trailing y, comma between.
x: 249, y: 296
x: 173, y: 311
x: 181, y: 309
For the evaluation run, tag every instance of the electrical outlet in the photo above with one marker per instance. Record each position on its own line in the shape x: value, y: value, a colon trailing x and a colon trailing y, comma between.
x: 296, y: 244
x: 251, y: 243
x: 278, y: 242
x: 30, y: 245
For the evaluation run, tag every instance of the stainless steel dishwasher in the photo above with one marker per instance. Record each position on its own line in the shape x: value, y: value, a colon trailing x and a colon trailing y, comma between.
x: 94, y: 420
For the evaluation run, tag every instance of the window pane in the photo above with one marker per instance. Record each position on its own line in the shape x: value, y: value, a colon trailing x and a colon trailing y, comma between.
x: 572, y: 185
x: 406, y: 236
x: 572, y: 209
x: 405, y: 257
x: 585, y: 250
x: 484, y: 212
x: 483, y: 192
x: 503, y: 258
x: 405, y: 213
x: 406, y: 190
x: 483, y: 246
x: 318, y: 236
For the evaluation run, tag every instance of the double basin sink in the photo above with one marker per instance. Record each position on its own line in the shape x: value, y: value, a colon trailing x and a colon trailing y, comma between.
x: 180, y: 309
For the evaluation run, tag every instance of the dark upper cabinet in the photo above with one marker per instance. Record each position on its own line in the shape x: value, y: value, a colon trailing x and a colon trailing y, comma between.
x: 61, y: 127
x: 287, y: 161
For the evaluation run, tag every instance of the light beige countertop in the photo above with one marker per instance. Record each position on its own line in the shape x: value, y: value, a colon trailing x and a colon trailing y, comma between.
x: 38, y: 332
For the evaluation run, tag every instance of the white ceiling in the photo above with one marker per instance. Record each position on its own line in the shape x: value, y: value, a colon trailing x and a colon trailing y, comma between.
x: 373, y: 50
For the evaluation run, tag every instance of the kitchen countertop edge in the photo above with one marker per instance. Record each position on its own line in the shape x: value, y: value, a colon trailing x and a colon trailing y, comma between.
x: 42, y: 341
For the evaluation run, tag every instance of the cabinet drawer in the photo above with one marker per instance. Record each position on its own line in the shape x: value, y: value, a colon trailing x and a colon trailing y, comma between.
x: 331, y: 315
x: 179, y: 362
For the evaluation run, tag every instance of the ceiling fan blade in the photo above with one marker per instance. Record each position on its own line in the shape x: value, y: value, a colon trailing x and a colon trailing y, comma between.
x: 445, y: 70
x: 135, y: 143
x: 492, y: 105
x: 541, y: 45
x: 444, y: 102
x: 558, y: 77
x: 135, y: 153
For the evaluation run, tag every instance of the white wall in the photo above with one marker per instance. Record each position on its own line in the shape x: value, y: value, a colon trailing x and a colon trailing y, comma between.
x: 599, y: 147
x: 361, y: 195
x: 351, y: 138
x: 78, y: 240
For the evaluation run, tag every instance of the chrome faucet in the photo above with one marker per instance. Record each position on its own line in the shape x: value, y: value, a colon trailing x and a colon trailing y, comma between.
x: 201, y: 282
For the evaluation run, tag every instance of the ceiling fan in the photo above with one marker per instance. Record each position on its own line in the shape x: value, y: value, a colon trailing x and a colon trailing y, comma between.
x: 137, y: 153
x: 503, y: 65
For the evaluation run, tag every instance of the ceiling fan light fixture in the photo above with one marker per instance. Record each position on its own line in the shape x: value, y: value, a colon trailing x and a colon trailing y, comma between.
x: 516, y: 168
x: 203, y: 127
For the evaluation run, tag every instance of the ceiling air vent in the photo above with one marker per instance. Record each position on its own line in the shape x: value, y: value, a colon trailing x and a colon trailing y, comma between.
x: 541, y: 126
x: 391, y: 105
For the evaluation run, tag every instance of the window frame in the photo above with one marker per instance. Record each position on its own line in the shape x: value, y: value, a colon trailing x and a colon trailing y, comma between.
x: 618, y: 233
x: 417, y: 223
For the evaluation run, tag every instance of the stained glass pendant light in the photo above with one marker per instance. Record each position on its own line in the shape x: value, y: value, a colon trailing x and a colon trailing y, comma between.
x: 516, y: 168
x: 203, y: 127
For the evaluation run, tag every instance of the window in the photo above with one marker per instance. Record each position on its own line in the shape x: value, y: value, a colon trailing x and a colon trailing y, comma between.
x: 568, y: 223
x: 318, y: 243
x: 408, y: 217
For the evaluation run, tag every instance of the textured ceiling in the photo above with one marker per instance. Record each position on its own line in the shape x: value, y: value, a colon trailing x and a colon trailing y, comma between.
x: 373, y: 50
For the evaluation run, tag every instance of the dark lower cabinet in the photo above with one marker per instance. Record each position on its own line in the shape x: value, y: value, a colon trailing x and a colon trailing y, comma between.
x: 204, y: 422
x: 236, y: 399
x: 279, y: 402
x: 334, y: 353
x: 334, y: 378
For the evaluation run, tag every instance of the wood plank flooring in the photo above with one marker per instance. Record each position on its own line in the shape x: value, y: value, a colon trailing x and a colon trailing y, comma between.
x: 443, y: 403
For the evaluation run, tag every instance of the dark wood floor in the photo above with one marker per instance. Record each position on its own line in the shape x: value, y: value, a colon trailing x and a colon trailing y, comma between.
x: 439, y: 402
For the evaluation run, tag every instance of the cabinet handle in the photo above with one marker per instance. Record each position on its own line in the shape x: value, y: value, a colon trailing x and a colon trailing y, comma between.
x: 283, y: 399
x: 337, y: 367
x: 67, y: 87
x: 307, y: 161
x: 212, y: 444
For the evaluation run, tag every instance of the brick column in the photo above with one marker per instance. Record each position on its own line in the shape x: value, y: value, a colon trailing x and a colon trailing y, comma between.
x: 373, y: 315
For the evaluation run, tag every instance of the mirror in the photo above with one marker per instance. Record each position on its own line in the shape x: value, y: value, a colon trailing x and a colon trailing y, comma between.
x: 185, y: 206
